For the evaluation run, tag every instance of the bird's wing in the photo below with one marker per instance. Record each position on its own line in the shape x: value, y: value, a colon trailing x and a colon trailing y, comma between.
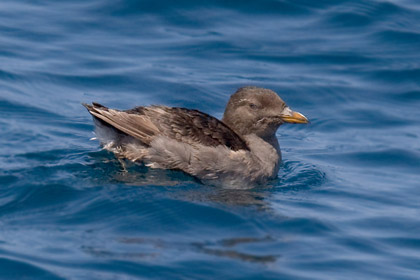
x: 136, y: 125
x: 188, y: 126
x: 194, y: 127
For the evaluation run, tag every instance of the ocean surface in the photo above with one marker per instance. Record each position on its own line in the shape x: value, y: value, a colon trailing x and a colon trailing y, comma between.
x: 346, y: 204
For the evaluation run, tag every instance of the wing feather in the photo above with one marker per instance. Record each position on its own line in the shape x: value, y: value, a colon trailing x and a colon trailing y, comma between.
x: 194, y: 127
x: 188, y: 126
x: 138, y: 126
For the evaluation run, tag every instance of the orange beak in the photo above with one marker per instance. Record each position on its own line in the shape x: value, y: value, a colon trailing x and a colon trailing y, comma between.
x: 295, y: 117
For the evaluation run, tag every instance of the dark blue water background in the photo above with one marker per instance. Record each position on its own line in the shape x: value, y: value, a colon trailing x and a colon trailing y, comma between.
x: 345, y: 205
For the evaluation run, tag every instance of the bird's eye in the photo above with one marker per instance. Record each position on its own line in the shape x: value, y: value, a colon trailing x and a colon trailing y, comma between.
x: 253, y: 106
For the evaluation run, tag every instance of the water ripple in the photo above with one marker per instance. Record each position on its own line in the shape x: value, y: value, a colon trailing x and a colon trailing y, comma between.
x: 344, y: 205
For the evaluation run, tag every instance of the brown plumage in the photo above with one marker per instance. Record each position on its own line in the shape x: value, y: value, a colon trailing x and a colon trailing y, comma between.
x: 242, y: 148
x: 185, y: 125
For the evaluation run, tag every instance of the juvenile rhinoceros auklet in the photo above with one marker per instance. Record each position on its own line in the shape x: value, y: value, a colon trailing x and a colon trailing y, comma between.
x: 240, y: 150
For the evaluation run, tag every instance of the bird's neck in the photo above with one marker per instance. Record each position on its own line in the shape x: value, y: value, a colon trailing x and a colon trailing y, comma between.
x: 258, y: 144
x: 272, y: 140
x: 267, y: 150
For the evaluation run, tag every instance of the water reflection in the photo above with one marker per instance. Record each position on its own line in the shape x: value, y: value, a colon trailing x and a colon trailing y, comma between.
x: 229, y: 248
x: 293, y: 175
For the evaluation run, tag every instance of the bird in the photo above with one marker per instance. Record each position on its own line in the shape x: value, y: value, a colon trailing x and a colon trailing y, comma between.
x: 241, y: 150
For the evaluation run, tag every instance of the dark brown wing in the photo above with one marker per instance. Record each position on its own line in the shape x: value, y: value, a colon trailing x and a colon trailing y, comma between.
x: 185, y: 125
x: 136, y: 125
x: 193, y: 127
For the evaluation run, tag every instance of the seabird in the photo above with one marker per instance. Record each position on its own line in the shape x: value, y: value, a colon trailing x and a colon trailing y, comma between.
x: 241, y: 150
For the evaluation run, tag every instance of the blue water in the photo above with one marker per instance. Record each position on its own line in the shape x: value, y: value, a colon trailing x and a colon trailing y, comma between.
x: 346, y: 204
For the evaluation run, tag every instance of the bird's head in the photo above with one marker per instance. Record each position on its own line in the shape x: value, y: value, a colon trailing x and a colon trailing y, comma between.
x: 259, y: 111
